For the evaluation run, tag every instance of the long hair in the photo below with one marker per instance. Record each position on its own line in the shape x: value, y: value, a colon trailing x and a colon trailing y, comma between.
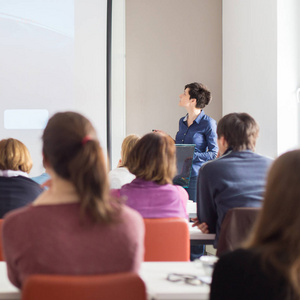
x: 276, y: 234
x: 14, y: 155
x: 73, y: 151
x: 153, y: 158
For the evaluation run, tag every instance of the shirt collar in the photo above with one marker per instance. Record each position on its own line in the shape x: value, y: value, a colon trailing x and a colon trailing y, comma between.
x: 12, y: 173
x: 198, y: 119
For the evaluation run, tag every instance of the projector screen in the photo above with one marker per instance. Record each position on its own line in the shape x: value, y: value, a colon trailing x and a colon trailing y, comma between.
x: 53, y: 58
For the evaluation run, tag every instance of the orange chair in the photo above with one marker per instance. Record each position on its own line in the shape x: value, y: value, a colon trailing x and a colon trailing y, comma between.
x: 167, y: 239
x: 1, y: 255
x: 125, y: 286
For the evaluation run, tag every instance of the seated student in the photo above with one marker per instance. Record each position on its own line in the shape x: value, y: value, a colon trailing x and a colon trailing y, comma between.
x: 268, y: 267
x: 120, y: 175
x: 16, y: 188
x: 74, y: 227
x: 236, y: 179
x: 153, y: 161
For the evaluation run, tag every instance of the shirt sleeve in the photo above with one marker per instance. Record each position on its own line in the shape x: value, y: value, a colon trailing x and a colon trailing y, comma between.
x: 206, y: 208
x: 212, y: 146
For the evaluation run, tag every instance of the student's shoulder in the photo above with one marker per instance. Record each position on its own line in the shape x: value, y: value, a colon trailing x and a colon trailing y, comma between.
x: 131, y: 214
x: 217, y: 163
x: 18, y: 217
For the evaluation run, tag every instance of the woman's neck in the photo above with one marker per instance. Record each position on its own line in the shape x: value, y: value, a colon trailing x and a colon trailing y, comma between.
x: 61, y: 191
x: 193, y: 114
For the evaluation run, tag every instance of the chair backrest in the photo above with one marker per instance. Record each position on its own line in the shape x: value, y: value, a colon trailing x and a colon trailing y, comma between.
x: 126, y: 286
x: 236, y: 227
x: 167, y: 239
x: 1, y: 253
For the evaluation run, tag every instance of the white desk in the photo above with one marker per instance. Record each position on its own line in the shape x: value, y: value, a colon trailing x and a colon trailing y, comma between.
x: 191, y: 208
x: 154, y: 275
x: 199, y: 238
x: 158, y: 287
x: 7, y: 290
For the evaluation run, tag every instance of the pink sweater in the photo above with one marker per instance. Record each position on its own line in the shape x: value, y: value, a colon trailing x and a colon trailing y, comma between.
x: 152, y: 200
x: 50, y: 239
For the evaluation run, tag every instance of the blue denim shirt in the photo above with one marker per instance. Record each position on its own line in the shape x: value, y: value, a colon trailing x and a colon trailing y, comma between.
x: 203, y: 134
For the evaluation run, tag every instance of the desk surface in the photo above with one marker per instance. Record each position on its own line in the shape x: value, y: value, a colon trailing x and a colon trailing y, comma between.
x: 191, y: 208
x: 154, y: 275
x: 7, y: 290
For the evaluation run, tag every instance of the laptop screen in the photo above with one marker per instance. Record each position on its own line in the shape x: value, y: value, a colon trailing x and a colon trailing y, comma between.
x: 184, y: 161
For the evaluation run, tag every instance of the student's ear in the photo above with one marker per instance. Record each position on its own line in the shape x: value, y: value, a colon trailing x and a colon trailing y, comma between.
x: 223, y: 142
x: 45, y: 162
x: 193, y: 101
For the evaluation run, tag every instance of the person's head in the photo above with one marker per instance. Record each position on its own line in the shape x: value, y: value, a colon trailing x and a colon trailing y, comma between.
x: 72, y: 150
x: 238, y: 131
x: 127, y: 146
x: 196, y: 94
x: 153, y: 158
x: 276, y: 233
x: 14, y: 155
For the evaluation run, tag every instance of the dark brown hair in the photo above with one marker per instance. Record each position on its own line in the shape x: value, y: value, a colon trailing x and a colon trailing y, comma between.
x: 153, y: 158
x: 199, y: 92
x: 72, y: 149
x: 240, y: 131
x: 276, y: 234
x: 14, y: 155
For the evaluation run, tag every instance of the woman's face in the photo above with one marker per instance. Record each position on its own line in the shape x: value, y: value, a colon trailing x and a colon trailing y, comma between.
x: 185, y: 98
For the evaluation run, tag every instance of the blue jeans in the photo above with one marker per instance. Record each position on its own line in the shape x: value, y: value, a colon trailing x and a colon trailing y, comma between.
x: 196, y: 250
x: 192, y: 189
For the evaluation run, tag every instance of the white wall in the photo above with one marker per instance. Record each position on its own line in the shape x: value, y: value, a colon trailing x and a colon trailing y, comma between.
x: 288, y: 74
x: 90, y: 63
x: 250, y: 65
x: 170, y: 43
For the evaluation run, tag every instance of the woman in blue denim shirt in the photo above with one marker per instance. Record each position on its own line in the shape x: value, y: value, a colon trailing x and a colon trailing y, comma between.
x: 197, y: 128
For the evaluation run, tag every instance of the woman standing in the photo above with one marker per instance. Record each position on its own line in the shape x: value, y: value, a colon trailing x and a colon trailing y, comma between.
x: 75, y: 227
x: 197, y: 128
x: 268, y: 267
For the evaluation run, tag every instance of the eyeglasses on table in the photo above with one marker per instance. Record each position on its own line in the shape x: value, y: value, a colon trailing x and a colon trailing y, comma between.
x: 186, y: 278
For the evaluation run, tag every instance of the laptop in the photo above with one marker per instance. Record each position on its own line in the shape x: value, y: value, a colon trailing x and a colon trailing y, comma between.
x: 184, y: 162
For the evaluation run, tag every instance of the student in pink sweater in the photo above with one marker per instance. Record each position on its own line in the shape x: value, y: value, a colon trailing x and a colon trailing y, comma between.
x: 75, y: 227
x: 153, y: 161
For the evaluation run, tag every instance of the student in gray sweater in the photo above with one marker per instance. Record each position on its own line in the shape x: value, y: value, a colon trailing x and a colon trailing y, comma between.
x: 236, y: 178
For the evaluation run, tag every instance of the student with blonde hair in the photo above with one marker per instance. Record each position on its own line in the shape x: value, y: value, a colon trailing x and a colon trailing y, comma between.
x: 121, y: 175
x: 16, y: 188
x: 153, y: 161
x: 75, y: 227
x: 268, y: 267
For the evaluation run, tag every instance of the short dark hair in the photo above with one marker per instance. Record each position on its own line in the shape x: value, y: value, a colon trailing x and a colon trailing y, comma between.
x: 199, y: 92
x: 240, y: 131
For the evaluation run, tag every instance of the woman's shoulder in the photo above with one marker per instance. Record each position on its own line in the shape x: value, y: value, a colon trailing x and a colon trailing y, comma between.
x: 237, y: 256
x: 131, y: 220
x: 209, y: 121
x: 16, y: 218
